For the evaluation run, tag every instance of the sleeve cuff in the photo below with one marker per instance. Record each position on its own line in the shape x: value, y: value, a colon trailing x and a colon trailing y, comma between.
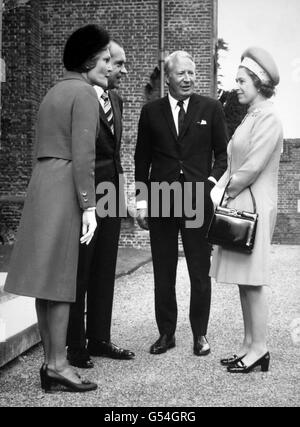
x: 212, y: 179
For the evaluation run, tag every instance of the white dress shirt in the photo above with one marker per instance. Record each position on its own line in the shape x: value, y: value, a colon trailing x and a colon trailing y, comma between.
x: 99, y: 91
x: 175, y: 108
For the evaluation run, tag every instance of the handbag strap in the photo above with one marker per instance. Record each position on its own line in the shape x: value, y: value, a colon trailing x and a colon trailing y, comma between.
x: 252, y: 197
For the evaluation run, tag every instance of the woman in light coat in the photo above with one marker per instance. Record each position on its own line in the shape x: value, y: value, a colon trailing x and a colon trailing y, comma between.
x: 253, y: 160
x: 61, y: 197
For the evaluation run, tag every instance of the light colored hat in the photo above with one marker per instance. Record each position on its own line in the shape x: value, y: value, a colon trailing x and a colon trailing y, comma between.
x: 261, y: 63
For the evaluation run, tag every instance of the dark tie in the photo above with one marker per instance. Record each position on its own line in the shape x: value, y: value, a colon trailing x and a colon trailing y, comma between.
x: 108, y: 110
x: 181, y: 116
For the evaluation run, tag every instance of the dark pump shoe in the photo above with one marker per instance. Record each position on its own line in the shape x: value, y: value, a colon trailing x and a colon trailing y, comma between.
x: 80, y: 358
x: 201, y: 346
x: 53, y: 381
x: 163, y: 344
x: 241, y: 368
x: 108, y: 349
x: 43, y: 375
x: 231, y: 360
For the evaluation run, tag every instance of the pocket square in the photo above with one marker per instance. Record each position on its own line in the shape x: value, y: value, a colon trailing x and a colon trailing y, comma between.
x: 202, y: 123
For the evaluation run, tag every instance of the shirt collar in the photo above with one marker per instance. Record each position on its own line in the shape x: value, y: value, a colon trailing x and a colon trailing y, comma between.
x: 173, y: 102
x: 99, y: 91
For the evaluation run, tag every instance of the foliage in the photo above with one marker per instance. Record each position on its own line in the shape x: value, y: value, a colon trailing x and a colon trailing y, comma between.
x: 221, y: 46
x: 233, y: 110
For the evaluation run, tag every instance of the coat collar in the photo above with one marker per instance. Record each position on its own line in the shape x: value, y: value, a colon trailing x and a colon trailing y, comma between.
x: 193, y: 108
x: 165, y: 104
x: 73, y: 75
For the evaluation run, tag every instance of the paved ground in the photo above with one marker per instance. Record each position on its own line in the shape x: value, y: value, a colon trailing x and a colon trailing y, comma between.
x: 5, y: 253
x: 178, y: 378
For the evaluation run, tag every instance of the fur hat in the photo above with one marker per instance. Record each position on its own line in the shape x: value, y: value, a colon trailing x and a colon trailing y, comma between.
x: 83, y: 44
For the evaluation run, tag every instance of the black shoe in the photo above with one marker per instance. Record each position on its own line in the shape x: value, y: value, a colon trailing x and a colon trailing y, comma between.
x: 241, y: 368
x: 80, y: 358
x: 231, y: 360
x: 163, y: 344
x: 53, y: 380
x: 42, y: 375
x: 108, y: 349
x: 201, y: 346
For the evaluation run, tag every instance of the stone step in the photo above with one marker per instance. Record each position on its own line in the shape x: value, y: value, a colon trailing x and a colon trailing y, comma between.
x: 3, y: 295
x: 18, y: 325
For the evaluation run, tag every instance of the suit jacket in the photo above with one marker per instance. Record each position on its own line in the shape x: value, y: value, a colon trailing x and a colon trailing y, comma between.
x: 67, y: 125
x: 108, y: 163
x: 161, y: 154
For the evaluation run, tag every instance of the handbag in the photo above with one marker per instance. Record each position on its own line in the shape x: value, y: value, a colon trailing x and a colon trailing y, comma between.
x: 233, y: 229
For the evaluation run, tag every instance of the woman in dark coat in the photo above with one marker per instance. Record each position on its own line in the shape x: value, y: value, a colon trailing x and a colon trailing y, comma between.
x: 61, y: 196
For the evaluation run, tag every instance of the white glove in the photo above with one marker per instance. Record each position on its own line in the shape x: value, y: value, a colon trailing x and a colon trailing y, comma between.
x: 89, y: 225
x: 216, y: 195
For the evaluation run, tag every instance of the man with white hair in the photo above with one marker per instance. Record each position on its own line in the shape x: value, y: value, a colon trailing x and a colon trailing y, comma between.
x: 177, y: 138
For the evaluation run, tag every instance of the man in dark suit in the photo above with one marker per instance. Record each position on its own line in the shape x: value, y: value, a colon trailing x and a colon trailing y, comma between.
x: 97, y: 262
x: 177, y: 138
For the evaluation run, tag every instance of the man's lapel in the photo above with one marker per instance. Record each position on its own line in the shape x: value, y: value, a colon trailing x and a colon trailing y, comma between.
x: 168, y: 115
x: 117, y: 115
x: 193, y: 108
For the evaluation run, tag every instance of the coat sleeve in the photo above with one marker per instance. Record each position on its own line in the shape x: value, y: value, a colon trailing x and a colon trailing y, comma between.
x: 223, y: 181
x: 219, y: 142
x: 143, y: 155
x: 265, y: 136
x: 85, y: 124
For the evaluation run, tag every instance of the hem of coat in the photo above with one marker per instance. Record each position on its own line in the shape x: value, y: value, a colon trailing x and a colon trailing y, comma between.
x: 42, y: 297
x: 223, y: 282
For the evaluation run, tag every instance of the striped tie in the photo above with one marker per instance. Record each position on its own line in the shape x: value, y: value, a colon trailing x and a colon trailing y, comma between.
x: 108, y: 110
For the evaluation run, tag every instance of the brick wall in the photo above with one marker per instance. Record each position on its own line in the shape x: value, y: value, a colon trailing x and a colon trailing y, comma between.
x: 20, y: 99
x: 288, y: 220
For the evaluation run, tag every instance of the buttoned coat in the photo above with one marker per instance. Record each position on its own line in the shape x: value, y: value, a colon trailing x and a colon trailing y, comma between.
x: 254, y: 155
x: 45, y: 256
x: 161, y: 155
